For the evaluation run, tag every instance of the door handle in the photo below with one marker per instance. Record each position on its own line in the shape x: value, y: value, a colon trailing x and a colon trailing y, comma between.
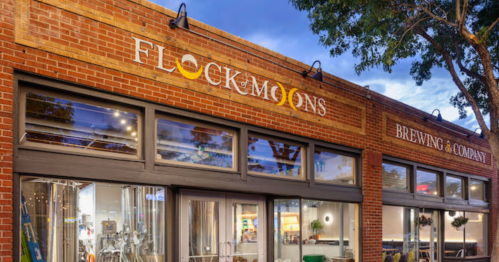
x: 221, y: 248
x: 231, y: 252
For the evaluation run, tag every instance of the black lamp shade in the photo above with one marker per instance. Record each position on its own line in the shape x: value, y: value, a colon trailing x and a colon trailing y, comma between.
x: 318, y: 76
x: 439, y: 118
x: 180, y: 22
x: 482, y: 136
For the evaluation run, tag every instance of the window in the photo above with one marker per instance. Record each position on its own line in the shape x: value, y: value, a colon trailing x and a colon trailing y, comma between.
x: 400, y: 232
x: 476, y: 234
x: 427, y: 183
x: 325, y: 225
x: 73, y: 220
x: 395, y: 176
x: 287, y: 229
x: 190, y: 143
x: 328, y: 230
x: 334, y: 168
x: 70, y: 122
x: 453, y: 187
x: 275, y: 157
x: 468, y: 240
x: 477, y: 190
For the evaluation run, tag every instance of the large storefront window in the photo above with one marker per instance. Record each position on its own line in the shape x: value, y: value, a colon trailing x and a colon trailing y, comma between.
x: 334, y: 168
x: 400, y: 233
x: 468, y: 240
x: 71, y: 123
x: 395, y: 177
x: 328, y: 230
x: 331, y: 225
x: 275, y: 157
x: 476, y: 234
x: 189, y: 143
x: 81, y: 221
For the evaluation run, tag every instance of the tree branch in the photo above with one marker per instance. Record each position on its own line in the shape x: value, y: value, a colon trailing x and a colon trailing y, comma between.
x: 441, y: 10
x: 468, y: 72
x: 491, y: 26
x: 462, y: 17
x: 409, y: 29
x: 455, y: 78
x: 440, y: 19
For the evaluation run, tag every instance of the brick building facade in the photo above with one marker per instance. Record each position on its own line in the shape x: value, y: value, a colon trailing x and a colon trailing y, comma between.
x: 121, y: 56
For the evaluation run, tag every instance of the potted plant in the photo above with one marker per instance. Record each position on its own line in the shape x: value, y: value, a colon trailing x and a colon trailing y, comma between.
x: 316, y: 227
x: 425, y: 221
x: 459, y: 223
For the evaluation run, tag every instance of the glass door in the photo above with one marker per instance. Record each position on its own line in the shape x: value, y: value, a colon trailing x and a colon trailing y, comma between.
x: 429, y: 235
x: 217, y: 227
x: 247, y: 229
x: 202, y: 227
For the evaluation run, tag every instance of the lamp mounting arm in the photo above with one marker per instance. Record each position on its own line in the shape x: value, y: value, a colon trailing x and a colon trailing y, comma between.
x: 305, y: 72
x: 180, y: 8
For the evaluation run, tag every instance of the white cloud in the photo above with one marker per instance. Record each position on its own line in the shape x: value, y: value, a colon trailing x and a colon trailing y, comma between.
x: 270, y: 42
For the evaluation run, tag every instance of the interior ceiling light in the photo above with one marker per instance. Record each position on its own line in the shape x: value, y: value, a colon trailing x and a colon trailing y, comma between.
x: 316, y: 76
x: 439, y: 116
x: 181, y: 20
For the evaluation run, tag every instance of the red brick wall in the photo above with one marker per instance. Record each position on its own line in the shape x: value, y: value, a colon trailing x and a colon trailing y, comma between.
x: 69, y: 41
x: 8, y: 58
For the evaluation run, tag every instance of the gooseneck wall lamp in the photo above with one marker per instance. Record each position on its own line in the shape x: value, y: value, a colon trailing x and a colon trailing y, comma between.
x: 316, y: 76
x: 482, y: 136
x: 438, y: 119
x: 181, y: 20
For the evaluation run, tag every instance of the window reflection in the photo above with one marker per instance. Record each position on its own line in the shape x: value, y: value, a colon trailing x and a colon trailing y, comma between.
x: 64, y: 122
x: 453, y: 187
x: 273, y: 157
x: 427, y: 183
x: 331, y: 167
x: 395, y: 177
x: 195, y: 144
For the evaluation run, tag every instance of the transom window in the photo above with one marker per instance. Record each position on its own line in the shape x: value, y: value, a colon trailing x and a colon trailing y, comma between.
x: 454, y: 187
x: 70, y: 122
x: 427, y: 183
x: 271, y: 156
x: 477, y: 190
x: 334, y: 168
x: 395, y: 176
x: 190, y: 143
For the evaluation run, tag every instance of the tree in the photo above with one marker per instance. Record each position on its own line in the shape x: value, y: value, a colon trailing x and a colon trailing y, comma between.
x: 461, y: 36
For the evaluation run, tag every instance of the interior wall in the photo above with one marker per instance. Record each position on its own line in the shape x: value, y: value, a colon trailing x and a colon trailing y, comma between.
x: 393, y: 227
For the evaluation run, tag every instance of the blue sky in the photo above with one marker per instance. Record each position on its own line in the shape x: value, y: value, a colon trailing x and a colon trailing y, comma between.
x: 278, y: 26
